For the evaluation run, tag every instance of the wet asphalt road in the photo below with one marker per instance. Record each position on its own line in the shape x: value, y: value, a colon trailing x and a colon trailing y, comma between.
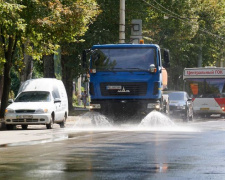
x: 194, y: 150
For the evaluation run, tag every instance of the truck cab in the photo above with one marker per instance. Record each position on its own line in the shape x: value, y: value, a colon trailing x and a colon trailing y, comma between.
x: 126, y: 79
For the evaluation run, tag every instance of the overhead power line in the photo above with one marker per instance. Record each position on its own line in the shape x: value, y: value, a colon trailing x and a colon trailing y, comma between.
x: 183, y: 19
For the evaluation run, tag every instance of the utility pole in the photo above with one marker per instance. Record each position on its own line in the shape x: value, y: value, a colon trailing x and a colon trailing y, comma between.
x: 79, y: 90
x: 200, y: 56
x: 122, y: 22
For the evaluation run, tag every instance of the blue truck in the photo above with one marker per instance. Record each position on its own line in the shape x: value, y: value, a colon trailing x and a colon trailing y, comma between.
x: 126, y: 80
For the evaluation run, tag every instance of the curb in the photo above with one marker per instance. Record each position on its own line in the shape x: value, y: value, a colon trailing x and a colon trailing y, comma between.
x: 32, y: 142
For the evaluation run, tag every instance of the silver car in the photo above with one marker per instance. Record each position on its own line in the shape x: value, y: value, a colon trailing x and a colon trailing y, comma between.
x: 180, y: 105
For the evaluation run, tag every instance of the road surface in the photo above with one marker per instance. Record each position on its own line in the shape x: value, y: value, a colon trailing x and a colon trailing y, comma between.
x: 157, y: 148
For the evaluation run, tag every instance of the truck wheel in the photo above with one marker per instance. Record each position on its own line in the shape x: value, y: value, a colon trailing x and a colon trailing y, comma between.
x: 24, y: 127
x: 191, y: 118
x: 50, y: 125
x: 62, y: 124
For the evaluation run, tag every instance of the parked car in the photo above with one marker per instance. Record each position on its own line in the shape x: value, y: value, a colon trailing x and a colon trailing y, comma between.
x: 180, y: 105
x: 39, y: 102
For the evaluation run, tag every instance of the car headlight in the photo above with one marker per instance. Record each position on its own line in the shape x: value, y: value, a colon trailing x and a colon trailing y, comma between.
x: 39, y: 111
x: 9, y: 111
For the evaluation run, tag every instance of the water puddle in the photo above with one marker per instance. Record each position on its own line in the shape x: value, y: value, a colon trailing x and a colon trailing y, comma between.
x: 154, y: 121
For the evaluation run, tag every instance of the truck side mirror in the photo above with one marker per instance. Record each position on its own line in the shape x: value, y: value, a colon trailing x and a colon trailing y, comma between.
x: 166, y: 56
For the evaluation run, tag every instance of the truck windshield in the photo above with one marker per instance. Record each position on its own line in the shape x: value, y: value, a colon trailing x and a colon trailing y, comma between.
x: 123, y: 59
x: 33, y: 96
x: 205, y: 88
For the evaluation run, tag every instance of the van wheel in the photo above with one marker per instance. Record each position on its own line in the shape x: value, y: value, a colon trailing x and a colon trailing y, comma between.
x: 50, y: 125
x: 10, y: 127
x: 24, y: 127
x: 62, y: 124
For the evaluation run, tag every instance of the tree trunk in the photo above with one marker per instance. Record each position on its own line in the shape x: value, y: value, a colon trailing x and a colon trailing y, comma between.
x: 49, y: 70
x: 67, y: 80
x: 7, y: 80
x: 6, y: 89
x: 27, y: 71
x: 1, y: 85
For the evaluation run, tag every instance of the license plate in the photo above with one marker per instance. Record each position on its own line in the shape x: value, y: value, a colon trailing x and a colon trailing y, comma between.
x: 27, y: 116
x: 204, y: 109
x: 113, y: 87
x: 24, y: 116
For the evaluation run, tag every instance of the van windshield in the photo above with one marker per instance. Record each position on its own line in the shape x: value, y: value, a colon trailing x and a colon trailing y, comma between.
x: 34, y: 96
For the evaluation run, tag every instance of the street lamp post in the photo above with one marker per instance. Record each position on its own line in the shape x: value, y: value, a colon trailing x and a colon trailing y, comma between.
x: 122, y: 22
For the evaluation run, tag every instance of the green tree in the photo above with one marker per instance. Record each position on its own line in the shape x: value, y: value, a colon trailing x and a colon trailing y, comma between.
x: 183, y: 27
x: 189, y: 29
x: 102, y: 31
x: 38, y: 28
x: 12, y: 28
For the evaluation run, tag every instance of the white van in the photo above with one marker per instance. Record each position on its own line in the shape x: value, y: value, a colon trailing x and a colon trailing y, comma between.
x: 39, y: 102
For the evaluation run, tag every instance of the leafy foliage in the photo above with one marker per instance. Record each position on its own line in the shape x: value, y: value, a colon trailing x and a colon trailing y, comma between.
x: 11, y: 24
x: 187, y: 28
x: 183, y: 27
x: 38, y: 28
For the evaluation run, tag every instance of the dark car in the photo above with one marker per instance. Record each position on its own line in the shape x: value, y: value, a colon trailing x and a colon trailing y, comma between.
x: 180, y: 105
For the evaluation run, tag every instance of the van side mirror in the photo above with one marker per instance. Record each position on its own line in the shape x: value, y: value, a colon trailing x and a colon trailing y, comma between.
x: 10, y: 101
x: 57, y: 100
x: 166, y: 56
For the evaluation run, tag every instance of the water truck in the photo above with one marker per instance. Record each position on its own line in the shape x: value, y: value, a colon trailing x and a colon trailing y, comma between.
x: 126, y: 80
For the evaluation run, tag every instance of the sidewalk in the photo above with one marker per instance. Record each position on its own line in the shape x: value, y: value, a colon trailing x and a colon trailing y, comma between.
x: 78, y: 111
